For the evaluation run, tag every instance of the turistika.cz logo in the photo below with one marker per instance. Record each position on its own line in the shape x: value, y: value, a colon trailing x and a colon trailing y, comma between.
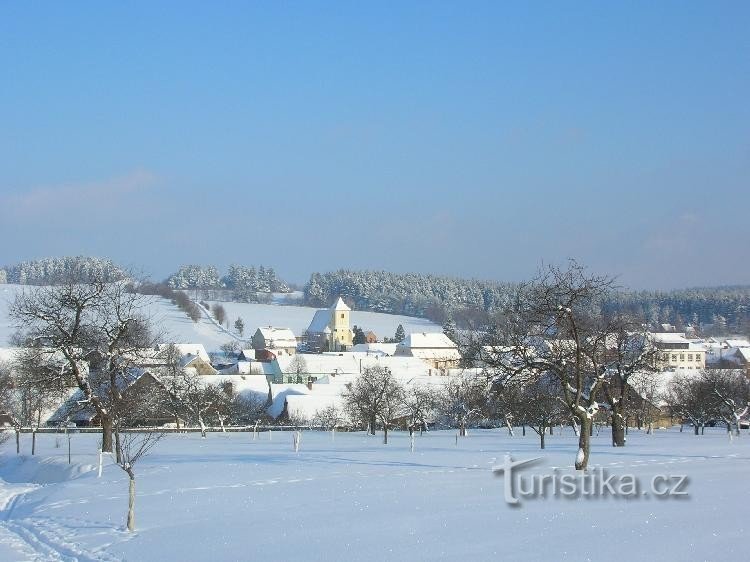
x: 596, y: 482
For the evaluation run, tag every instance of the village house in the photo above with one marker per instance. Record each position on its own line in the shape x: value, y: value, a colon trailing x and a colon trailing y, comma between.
x: 273, y: 341
x: 435, y: 348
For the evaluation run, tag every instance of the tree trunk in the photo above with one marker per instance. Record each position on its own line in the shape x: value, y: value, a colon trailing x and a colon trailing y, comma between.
x: 106, y: 433
x: 131, y: 502
x: 696, y: 429
x: 118, y: 450
x: 618, y: 427
x: 584, y: 444
x: 541, y: 437
x: 18, y: 441
x: 551, y: 430
x: 462, y: 429
x: 385, y: 434
x: 372, y: 425
x: 33, y: 442
x: 203, y: 427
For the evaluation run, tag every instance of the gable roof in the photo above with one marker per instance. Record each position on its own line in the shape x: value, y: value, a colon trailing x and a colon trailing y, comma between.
x: 428, y: 340
x: 277, y: 337
x: 340, y: 305
x: 319, y: 322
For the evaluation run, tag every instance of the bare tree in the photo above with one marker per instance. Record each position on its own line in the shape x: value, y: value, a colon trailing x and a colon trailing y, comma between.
x: 627, y: 350
x: 328, y: 418
x: 692, y: 397
x: 219, y: 313
x: 375, y: 396
x: 133, y: 446
x: 553, y: 325
x: 89, y: 322
x: 536, y: 403
x: 420, y: 403
x: 732, y: 392
x: 462, y: 401
x: 297, y: 367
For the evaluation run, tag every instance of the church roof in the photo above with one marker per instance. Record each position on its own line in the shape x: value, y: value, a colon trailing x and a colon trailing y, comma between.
x: 340, y: 305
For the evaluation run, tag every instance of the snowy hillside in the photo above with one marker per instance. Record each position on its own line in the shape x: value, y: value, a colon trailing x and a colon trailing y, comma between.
x: 180, y: 328
x: 297, y: 318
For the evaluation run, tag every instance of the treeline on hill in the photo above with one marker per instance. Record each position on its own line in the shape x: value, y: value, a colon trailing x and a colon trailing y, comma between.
x: 713, y: 311
x: 243, y: 282
x: 430, y: 296
x: 52, y: 271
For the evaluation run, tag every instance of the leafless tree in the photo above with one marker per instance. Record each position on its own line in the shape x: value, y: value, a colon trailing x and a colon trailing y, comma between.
x: 297, y: 368
x: 553, y: 325
x: 88, y: 322
x: 732, y: 392
x: 462, y: 401
x: 627, y: 351
x: 133, y: 446
x: 538, y: 404
x: 420, y: 403
x: 328, y: 418
x: 375, y: 396
x: 692, y: 397
x: 219, y: 313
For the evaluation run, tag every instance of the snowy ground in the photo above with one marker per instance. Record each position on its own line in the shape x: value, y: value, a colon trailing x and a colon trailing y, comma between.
x: 180, y: 328
x: 231, y: 498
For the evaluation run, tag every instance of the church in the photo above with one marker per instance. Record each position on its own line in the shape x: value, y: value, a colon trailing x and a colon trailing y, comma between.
x: 330, y: 329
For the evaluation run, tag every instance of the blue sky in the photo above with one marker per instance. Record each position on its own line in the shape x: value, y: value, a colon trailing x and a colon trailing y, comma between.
x: 473, y: 139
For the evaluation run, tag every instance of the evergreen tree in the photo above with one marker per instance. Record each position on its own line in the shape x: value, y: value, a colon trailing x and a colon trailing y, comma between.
x: 359, y: 335
x: 400, y: 334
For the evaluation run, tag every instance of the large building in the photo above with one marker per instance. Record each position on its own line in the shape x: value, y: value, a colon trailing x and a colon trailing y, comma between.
x: 435, y: 348
x: 330, y: 328
x: 677, y: 352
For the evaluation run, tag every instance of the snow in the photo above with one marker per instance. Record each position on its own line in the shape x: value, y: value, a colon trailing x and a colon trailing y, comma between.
x: 230, y: 497
x: 179, y: 328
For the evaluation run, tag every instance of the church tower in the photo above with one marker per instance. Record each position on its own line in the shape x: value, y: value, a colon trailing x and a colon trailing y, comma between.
x: 341, y: 333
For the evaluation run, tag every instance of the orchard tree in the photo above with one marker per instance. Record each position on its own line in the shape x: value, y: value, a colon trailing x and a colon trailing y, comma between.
x: 553, y: 326
x: 627, y: 351
x: 375, y: 396
x: 88, y: 322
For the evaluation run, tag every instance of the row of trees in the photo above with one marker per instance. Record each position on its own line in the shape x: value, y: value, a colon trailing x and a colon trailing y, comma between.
x: 710, y: 396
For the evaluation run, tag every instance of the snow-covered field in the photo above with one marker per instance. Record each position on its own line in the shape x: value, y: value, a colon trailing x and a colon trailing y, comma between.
x: 231, y: 498
x: 179, y: 328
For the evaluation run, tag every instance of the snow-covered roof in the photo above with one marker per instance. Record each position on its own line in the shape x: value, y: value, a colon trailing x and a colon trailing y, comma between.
x: 376, y: 348
x: 429, y: 346
x: 320, y: 322
x: 277, y: 337
x: 428, y: 340
x: 340, y: 305
x: 669, y: 337
x: 249, y: 368
x: 737, y: 343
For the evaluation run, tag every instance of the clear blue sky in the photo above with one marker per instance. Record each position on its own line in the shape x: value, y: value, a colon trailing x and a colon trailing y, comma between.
x: 465, y: 138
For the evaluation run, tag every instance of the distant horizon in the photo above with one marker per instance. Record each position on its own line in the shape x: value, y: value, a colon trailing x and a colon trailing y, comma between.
x: 130, y: 267
x: 474, y: 141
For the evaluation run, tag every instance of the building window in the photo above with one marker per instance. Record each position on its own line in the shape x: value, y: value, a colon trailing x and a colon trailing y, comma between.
x: 682, y: 356
x: 674, y: 357
x: 690, y: 356
x: 342, y: 315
